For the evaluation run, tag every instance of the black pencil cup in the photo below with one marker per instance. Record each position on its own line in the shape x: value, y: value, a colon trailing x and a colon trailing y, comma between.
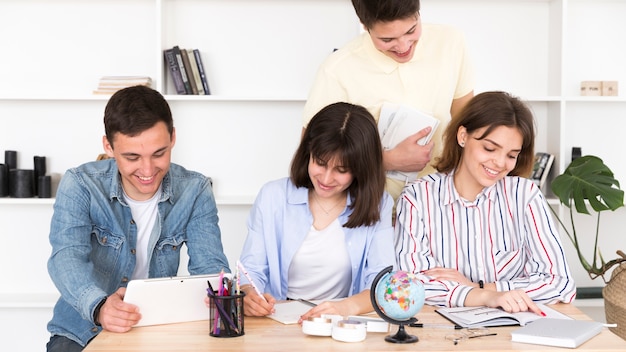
x: 226, y: 315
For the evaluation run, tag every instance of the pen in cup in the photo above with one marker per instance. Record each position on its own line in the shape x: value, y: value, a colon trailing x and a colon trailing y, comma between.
x: 245, y: 273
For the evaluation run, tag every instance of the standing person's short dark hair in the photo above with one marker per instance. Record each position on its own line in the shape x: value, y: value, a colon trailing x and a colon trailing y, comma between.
x: 372, y: 11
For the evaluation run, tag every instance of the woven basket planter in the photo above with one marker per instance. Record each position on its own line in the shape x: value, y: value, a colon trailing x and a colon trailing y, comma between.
x: 614, y: 294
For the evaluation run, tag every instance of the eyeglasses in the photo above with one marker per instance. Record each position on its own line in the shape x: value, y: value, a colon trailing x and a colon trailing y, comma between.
x: 469, y: 334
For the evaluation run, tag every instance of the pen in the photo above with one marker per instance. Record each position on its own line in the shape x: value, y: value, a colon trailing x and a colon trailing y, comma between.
x: 435, y: 326
x: 307, y: 302
x: 222, y: 312
x: 245, y: 273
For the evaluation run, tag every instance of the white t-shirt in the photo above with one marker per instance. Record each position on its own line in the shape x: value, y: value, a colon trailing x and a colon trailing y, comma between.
x: 320, y: 269
x: 145, y: 214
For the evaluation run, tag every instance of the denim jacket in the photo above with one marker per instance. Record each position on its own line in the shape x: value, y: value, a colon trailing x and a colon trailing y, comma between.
x: 93, y: 239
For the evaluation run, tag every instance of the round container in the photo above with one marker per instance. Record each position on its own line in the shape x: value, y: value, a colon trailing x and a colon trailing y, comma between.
x: 349, y: 331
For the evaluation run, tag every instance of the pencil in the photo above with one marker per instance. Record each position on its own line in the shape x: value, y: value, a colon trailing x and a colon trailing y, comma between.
x: 245, y: 273
x: 435, y: 326
x: 307, y: 302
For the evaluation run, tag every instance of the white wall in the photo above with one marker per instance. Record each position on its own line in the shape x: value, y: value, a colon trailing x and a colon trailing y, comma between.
x: 262, y: 56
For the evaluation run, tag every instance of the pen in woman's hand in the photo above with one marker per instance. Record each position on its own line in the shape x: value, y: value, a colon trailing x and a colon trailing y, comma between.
x: 245, y: 273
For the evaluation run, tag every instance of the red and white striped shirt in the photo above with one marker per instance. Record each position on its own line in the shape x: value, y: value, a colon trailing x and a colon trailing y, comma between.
x: 506, y: 236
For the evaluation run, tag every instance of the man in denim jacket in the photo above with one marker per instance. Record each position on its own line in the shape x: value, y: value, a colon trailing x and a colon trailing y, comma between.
x: 126, y: 218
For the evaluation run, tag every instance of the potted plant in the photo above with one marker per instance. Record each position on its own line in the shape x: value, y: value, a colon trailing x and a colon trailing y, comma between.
x: 588, y: 181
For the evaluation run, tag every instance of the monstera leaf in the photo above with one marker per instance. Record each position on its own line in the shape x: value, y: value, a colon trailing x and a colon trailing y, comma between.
x: 588, y: 178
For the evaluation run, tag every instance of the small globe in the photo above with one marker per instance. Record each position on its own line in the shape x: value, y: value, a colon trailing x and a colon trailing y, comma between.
x: 400, y: 295
x: 397, y: 296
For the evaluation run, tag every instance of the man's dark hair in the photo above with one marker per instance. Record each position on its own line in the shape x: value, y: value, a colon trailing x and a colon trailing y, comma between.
x: 372, y: 11
x: 133, y: 110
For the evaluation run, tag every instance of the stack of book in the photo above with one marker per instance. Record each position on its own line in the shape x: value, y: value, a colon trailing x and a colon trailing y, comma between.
x: 111, y: 84
x: 187, y: 71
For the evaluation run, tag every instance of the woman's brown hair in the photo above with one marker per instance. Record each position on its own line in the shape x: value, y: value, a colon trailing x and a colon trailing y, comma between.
x: 491, y: 110
x: 349, y: 133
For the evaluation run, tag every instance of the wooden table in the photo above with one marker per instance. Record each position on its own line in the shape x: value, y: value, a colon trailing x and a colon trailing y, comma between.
x: 264, y: 335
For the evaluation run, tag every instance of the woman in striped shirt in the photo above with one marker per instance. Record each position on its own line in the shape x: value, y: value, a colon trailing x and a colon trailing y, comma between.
x: 478, y: 233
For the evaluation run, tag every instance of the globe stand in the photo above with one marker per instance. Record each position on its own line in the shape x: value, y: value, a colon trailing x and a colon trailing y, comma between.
x: 401, y: 335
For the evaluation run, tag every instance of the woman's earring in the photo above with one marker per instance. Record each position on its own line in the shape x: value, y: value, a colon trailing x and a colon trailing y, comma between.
x: 462, y: 144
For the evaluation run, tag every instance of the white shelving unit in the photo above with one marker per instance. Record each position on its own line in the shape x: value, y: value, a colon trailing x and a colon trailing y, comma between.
x: 261, y: 57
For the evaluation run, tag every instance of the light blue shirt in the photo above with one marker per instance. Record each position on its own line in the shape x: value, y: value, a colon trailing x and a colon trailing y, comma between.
x: 280, y: 220
x: 93, y: 237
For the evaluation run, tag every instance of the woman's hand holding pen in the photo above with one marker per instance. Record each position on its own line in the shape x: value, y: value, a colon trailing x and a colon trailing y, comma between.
x: 256, y: 305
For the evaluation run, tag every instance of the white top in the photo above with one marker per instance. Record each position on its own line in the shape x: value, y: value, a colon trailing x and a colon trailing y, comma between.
x: 320, y: 271
x: 145, y: 214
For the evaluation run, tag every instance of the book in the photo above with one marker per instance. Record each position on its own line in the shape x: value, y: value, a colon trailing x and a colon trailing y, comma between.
x: 183, y: 72
x: 187, y: 65
x: 396, y: 123
x: 172, y: 64
x: 201, y: 71
x: 195, y: 72
x: 557, y: 332
x: 472, y: 317
x: 111, y: 84
x: 541, y: 168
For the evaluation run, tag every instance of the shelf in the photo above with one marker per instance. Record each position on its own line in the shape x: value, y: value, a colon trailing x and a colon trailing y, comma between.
x: 26, y: 201
x: 170, y: 97
x: 28, y: 300
x: 227, y: 200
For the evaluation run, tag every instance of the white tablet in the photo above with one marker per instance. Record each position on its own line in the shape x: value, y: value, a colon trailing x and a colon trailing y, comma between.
x: 171, y: 299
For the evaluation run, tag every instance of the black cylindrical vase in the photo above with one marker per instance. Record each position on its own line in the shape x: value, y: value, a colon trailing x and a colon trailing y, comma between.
x: 44, y: 186
x: 10, y: 159
x: 21, y: 183
x: 40, y: 170
x: 4, y: 180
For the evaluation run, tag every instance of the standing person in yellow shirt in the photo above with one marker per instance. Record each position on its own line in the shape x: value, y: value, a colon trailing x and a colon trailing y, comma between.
x: 402, y: 61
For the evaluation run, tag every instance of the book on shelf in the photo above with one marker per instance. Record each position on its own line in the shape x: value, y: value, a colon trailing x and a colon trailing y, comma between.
x: 472, y: 317
x: 183, y: 72
x: 541, y: 168
x: 187, y: 65
x: 111, y: 84
x: 201, y: 71
x: 195, y: 72
x: 174, y: 69
x: 557, y: 332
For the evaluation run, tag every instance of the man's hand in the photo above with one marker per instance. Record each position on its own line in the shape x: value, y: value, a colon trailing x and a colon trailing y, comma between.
x: 408, y: 156
x: 117, y: 315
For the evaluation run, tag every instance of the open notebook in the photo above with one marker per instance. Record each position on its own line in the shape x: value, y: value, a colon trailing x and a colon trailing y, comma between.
x: 171, y: 299
x: 471, y: 317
